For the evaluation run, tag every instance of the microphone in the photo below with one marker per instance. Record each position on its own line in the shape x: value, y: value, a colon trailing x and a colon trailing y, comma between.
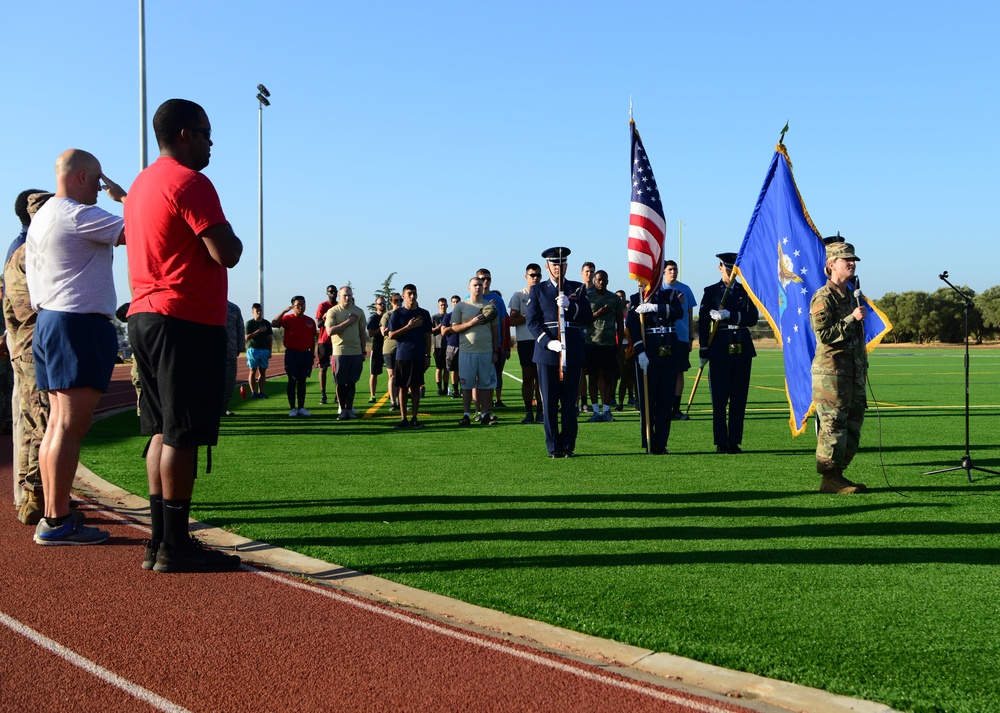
x: 857, y: 291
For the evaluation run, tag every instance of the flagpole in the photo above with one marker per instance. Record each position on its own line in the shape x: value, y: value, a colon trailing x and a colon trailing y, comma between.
x: 645, y: 376
x: 711, y: 337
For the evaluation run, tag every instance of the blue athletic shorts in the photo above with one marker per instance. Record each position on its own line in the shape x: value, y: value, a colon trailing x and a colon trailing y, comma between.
x: 258, y: 358
x: 73, y: 351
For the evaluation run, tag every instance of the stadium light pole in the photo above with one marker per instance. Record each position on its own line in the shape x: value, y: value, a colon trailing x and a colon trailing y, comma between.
x: 143, y: 161
x: 262, y: 95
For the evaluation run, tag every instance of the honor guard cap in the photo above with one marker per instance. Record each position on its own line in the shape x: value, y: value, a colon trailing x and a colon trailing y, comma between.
x: 833, y: 239
x: 727, y: 259
x: 556, y: 255
x: 844, y: 250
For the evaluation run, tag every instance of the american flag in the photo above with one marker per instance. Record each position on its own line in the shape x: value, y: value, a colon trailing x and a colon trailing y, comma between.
x: 646, y: 225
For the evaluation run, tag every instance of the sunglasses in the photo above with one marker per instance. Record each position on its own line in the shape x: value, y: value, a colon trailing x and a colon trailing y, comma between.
x: 534, y: 275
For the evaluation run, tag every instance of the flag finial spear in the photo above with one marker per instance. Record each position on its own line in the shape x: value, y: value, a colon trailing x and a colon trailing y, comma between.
x: 783, y: 131
x: 630, y: 107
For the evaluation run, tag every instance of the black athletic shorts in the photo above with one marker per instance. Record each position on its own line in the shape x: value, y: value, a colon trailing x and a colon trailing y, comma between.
x: 526, y: 352
x: 601, y: 358
x: 182, y: 367
x: 324, y: 350
x: 409, y: 373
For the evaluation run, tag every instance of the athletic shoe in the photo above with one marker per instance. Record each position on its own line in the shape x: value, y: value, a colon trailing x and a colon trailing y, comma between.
x: 596, y: 418
x: 402, y: 424
x: 70, y: 532
x: 680, y: 416
x: 499, y: 404
x: 733, y: 450
x: 262, y: 395
x: 423, y: 392
x: 528, y: 419
x: 456, y: 394
x: 304, y: 412
x: 631, y: 401
x: 149, y: 559
x: 352, y: 412
x: 490, y: 420
x: 465, y: 421
x: 619, y: 408
x: 608, y: 418
x: 584, y: 408
x: 556, y: 454
x: 343, y: 415
x: 568, y: 454
x: 372, y: 400
x: 322, y: 400
x: 193, y: 556
x: 478, y: 417
x: 416, y: 424
x: 293, y: 412
x: 441, y: 392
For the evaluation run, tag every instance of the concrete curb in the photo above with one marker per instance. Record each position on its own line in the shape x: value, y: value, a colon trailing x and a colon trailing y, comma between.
x: 744, y: 689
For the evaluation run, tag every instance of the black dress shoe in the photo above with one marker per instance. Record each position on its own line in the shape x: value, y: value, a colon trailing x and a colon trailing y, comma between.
x: 722, y: 449
x: 556, y: 454
x: 735, y: 449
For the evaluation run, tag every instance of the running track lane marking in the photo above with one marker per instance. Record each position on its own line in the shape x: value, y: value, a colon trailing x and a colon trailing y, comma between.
x: 133, y: 689
x: 438, y: 629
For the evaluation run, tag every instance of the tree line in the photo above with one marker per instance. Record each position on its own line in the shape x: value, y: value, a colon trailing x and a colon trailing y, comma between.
x: 939, y: 316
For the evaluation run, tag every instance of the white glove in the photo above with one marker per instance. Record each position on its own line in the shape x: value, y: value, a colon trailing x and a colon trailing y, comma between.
x: 643, y: 360
x: 554, y: 346
x: 719, y: 314
x: 645, y: 308
x: 703, y: 363
x: 562, y: 301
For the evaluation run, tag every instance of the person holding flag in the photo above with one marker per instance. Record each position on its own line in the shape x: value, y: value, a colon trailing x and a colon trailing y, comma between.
x: 725, y: 345
x: 657, y: 358
x: 839, y: 369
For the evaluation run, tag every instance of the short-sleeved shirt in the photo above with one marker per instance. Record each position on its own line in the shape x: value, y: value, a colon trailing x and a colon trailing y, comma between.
x: 324, y: 307
x: 412, y: 345
x: 376, y: 341
x: 300, y: 332
x: 438, y: 339
x: 690, y: 303
x: 388, y: 345
x: 172, y: 273
x: 477, y: 340
x: 262, y: 340
x: 348, y: 342
x: 519, y: 301
x: 68, y: 257
x: 452, y: 339
x: 603, y: 331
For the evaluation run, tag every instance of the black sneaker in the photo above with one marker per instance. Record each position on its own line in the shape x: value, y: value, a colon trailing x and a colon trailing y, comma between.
x: 193, y: 556
x: 499, y: 404
x: 528, y: 419
x: 490, y: 420
x: 416, y: 424
x: 465, y: 421
x: 402, y: 424
x: 680, y: 416
x: 152, y: 547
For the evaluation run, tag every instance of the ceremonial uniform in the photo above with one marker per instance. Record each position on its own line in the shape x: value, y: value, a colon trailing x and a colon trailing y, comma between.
x: 654, y: 335
x: 558, y: 397
x: 839, y: 372
x: 729, y: 356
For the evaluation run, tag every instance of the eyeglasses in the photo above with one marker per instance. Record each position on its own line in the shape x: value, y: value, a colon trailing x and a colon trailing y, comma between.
x: 534, y: 275
x: 380, y: 304
x: 485, y: 277
x: 207, y: 133
x: 397, y: 302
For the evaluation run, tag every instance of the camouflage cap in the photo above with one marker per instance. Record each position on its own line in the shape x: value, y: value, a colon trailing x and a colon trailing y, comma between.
x: 844, y: 250
x: 36, y: 201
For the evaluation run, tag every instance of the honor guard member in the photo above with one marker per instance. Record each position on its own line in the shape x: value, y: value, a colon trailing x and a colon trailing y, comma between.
x: 546, y: 299
x: 657, y: 357
x: 839, y: 369
x: 729, y: 354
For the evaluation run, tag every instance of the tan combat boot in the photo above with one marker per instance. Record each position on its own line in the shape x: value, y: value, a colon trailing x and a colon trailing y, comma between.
x: 836, y: 484
x: 32, y: 508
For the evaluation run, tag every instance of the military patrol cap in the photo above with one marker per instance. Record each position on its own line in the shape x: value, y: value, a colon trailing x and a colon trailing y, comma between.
x: 36, y: 201
x: 844, y: 250
x: 727, y: 259
x: 556, y: 255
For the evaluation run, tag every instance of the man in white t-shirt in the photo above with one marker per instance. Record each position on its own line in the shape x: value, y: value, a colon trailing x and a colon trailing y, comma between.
x: 68, y: 258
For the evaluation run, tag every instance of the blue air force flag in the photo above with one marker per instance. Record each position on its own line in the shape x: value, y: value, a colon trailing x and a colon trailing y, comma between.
x: 781, y: 261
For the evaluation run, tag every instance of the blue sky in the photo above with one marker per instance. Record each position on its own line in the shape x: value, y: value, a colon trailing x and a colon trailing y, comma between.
x: 432, y: 139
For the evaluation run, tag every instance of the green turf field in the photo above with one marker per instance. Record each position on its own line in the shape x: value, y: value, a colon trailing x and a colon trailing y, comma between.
x: 737, y: 561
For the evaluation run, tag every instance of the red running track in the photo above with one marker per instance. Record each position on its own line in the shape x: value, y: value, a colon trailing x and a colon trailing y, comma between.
x: 86, y: 628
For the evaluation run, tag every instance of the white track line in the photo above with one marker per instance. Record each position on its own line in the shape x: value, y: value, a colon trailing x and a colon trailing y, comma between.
x: 692, y: 705
x: 133, y: 689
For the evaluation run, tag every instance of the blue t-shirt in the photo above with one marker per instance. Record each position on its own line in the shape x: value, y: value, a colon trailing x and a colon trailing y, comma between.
x: 452, y: 339
x: 412, y: 345
x: 689, y: 303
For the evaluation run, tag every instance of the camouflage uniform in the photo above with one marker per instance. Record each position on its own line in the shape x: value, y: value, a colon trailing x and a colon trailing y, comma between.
x: 839, y: 371
x: 20, y: 321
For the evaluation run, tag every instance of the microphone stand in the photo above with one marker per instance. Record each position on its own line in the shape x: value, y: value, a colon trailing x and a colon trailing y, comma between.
x: 966, y: 462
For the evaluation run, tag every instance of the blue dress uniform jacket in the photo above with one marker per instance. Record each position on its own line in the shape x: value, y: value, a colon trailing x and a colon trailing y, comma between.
x: 558, y: 397
x: 729, y: 357
x: 658, y: 341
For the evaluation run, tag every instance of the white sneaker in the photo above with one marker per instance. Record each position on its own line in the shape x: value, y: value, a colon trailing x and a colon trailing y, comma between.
x: 293, y: 413
x: 304, y: 412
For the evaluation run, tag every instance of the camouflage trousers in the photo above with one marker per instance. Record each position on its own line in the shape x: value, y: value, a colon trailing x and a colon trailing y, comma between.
x: 840, y: 405
x: 35, y: 411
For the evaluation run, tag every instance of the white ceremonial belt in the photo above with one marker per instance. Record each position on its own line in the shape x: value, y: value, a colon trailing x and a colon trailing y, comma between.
x: 732, y: 326
x: 660, y: 330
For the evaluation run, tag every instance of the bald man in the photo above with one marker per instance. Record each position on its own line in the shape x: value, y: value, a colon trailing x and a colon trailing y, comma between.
x: 68, y: 256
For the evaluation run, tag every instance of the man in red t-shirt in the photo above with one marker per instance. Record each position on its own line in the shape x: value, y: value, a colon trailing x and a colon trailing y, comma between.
x: 179, y: 248
x: 324, y: 349
x: 300, y: 340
